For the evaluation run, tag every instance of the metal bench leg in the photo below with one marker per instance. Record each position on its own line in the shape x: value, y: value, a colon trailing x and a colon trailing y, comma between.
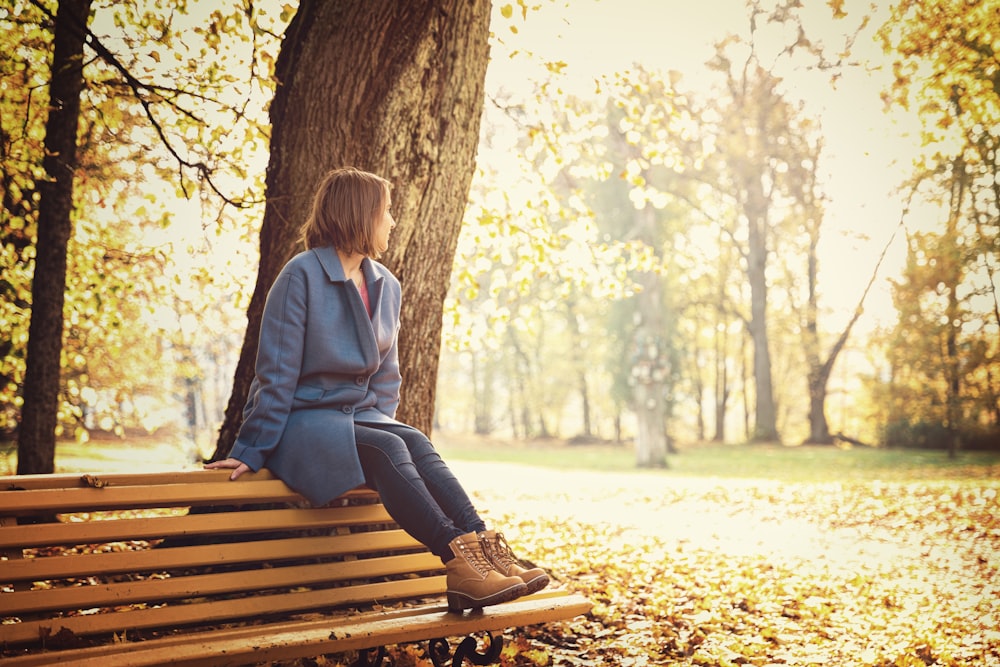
x: 440, y: 651
x: 370, y: 657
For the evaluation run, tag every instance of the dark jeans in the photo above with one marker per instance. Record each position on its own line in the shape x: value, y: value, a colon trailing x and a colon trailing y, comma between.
x: 417, y: 488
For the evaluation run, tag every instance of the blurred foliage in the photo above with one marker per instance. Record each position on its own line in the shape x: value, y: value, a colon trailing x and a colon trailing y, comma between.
x: 940, y: 385
x: 172, y: 130
x: 540, y: 324
x: 694, y: 205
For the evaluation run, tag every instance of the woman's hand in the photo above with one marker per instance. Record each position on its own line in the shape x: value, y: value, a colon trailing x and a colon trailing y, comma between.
x: 238, y: 467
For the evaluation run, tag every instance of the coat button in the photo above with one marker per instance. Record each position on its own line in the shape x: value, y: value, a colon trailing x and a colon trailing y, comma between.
x: 360, y: 380
x: 347, y: 409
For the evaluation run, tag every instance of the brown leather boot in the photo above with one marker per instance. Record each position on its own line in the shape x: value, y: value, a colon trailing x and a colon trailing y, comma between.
x: 472, y: 581
x: 505, y: 562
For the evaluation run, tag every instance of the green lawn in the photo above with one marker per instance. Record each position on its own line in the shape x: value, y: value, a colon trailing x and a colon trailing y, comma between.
x: 146, y: 454
x: 806, y: 464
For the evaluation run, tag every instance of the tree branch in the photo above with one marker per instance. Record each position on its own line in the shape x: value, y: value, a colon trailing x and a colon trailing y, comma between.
x: 141, y: 90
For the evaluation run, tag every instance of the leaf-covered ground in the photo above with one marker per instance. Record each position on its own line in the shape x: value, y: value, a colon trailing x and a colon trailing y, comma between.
x: 733, y: 572
x: 687, y: 570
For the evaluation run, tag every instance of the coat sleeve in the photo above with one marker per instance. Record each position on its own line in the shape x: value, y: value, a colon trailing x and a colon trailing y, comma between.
x: 279, y: 363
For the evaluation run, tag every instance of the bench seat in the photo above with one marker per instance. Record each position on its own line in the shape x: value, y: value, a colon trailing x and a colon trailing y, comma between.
x: 190, y: 568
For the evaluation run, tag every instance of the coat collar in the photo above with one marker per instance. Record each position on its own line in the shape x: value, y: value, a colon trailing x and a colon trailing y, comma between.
x: 368, y: 327
x: 330, y: 262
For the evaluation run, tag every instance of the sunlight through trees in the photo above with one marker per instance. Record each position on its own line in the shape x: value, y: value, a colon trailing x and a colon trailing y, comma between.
x: 645, y: 258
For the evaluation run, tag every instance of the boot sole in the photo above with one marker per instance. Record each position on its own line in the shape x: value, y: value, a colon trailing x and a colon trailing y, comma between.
x: 537, y: 584
x: 460, y: 601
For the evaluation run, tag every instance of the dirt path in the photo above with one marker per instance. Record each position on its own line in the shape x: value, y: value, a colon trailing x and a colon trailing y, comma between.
x: 679, y: 510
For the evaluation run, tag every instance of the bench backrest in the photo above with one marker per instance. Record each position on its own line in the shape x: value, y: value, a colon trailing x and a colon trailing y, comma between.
x: 133, y: 553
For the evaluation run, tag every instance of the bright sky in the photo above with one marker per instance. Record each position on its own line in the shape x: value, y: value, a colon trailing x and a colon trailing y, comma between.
x: 867, y: 155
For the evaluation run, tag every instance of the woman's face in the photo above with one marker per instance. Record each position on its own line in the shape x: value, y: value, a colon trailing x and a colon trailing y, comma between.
x: 383, y: 226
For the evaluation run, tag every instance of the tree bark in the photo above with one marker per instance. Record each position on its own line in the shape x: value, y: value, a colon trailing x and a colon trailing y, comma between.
x: 576, y: 352
x: 720, y: 350
x: 395, y: 88
x: 36, y: 438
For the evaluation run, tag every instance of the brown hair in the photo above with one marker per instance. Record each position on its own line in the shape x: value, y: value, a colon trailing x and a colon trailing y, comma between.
x: 347, y: 203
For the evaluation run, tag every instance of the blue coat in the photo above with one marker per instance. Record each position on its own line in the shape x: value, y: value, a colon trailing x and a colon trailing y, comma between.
x: 322, y: 364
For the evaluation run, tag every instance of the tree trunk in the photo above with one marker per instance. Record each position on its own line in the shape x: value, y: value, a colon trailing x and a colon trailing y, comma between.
x: 745, y: 384
x: 481, y: 372
x: 649, y: 372
x: 765, y: 427
x: 817, y: 373
x: 698, y: 381
x: 720, y: 349
x: 953, y: 270
x: 721, y: 394
x: 36, y: 439
x: 395, y: 88
x: 577, y: 353
x: 752, y: 171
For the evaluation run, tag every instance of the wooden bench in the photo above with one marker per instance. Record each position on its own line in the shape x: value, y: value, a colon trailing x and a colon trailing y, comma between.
x: 189, y: 568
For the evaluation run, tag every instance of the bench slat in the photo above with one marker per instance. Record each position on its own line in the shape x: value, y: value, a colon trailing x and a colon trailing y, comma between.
x: 94, y: 532
x: 302, y: 639
x: 85, y: 499
x: 547, y: 598
x: 149, y: 560
x: 149, y: 591
x: 205, y: 613
x: 248, y: 487
x: 69, y: 480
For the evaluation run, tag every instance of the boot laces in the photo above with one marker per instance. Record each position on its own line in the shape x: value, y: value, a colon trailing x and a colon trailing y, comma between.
x: 501, y: 552
x: 475, y: 555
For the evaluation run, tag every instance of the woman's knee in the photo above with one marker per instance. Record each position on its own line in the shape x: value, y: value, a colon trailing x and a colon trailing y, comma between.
x: 389, y: 444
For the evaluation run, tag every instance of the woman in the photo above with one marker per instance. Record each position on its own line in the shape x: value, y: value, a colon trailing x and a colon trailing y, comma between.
x: 321, y: 410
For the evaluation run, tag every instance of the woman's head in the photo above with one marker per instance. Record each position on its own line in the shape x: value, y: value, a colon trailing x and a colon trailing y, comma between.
x: 347, y: 208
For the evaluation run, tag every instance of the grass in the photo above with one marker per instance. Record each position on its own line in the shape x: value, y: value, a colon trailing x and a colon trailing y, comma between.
x: 774, y: 462
x: 140, y: 454
x: 769, y: 462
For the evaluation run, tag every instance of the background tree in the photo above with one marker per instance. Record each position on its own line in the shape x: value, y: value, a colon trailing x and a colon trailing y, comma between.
x: 943, y: 351
x: 728, y: 164
x: 22, y: 133
x: 626, y: 167
x: 747, y: 162
x: 394, y: 88
x: 37, y: 432
x: 131, y: 134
